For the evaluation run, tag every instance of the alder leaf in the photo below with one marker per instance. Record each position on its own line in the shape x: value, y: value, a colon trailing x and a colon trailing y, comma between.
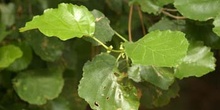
x: 65, y: 22
x: 198, y: 62
x: 197, y: 9
x: 158, y: 48
x: 160, y: 77
x: 22, y: 62
x: 155, y: 97
x: 103, y: 30
x: 166, y: 24
x: 48, y: 48
x: 216, y: 23
x: 38, y: 86
x: 151, y: 6
x: 101, y: 88
x: 8, y: 54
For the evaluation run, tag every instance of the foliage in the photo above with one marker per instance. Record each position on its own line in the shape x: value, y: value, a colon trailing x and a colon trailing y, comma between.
x: 49, y: 69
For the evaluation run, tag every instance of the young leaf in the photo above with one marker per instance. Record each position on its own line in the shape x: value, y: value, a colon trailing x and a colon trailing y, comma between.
x: 197, y: 9
x: 38, y: 86
x: 8, y: 54
x: 65, y: 22
x: 158, y: 48
x: 101, y: 89
x: 216, y: 23
x: 160, y: 77
x: 103, y: 30
x: 198, y: 62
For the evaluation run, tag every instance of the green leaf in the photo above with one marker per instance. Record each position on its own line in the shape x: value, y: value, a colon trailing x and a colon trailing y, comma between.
x: 65, y: 22
x: 148, y: 6
x: 103, y: 30
x: 7, y: 14
x: 49, y: 49
x: 166, y: 24
x: 216, y: 23
x: 198, y: 62
x: 198, y: 9
x: 101, y: 88
x: 158, y: 48
x: 202, y: 31
x: 115, y: 5
x: 22, y: 62
x: 8, y: 54
x: 154, y: 97
x: 151, y: 6
x: 3, y: 32
x: 160, y: 77
x: 38, y: 86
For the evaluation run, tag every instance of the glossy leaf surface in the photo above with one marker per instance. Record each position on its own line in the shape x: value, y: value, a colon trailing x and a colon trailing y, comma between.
x: 8, y: 54
x: 158, y: 48
x: 105, y: 91
x: 197, y: 9
x: 38, y: 86
x: 198, y: 62
x: 65, y: 22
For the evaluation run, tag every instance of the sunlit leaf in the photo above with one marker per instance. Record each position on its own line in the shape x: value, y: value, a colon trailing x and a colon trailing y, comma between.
x: 216, y: 23
x: 160, y: 77
x: 198, y: 62
x: 8, y: 54
x: 197, y: 9
x: 106, y: 92
x: 38, y: 86
x: 158, y: 48
x: 65, y: 22
x: 103, y: 30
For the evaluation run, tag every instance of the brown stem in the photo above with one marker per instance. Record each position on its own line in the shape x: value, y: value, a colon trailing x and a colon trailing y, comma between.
x: 172, y: 16
x: 129, y: 23
x: 141, y: 19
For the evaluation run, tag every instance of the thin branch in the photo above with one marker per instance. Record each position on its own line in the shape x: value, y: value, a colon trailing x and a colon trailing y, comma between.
x: 97, y: 40
x: 129, y: 23
x: 172, y: 16
x: 141, y: 19
x: 125, y: 40
x: 171, y: 10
